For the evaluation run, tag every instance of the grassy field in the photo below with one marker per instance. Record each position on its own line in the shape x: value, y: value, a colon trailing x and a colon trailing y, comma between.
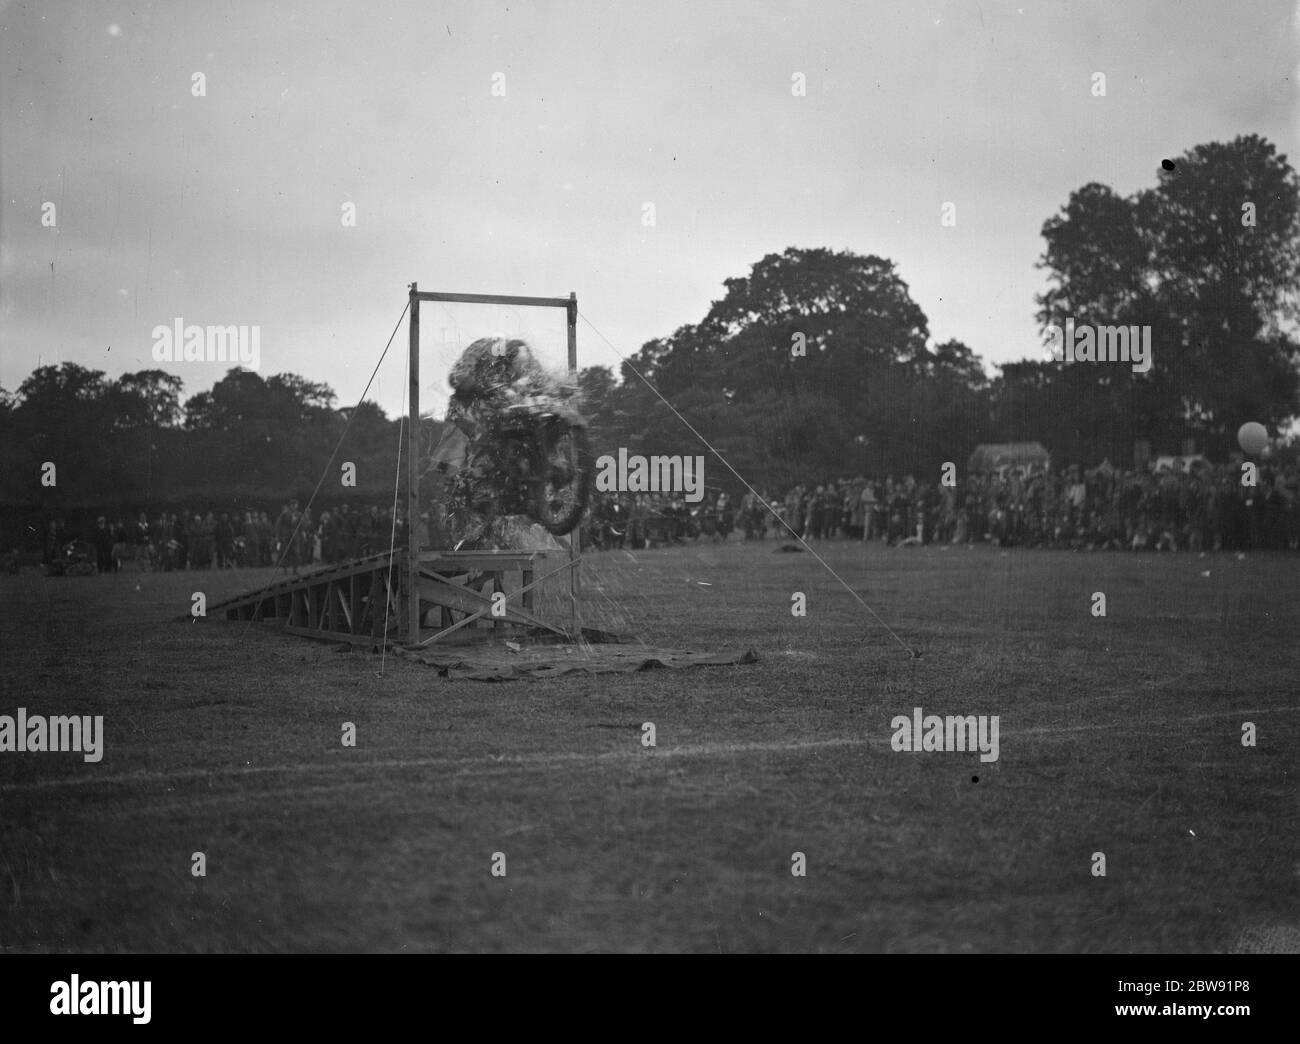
x: 1119, y: 735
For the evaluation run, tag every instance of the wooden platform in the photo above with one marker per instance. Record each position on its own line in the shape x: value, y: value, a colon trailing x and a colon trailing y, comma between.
x: 365, y: 601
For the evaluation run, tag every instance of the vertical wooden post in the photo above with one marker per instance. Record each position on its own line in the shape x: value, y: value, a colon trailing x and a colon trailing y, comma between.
x: 575, y: 541
x: 413, y: 479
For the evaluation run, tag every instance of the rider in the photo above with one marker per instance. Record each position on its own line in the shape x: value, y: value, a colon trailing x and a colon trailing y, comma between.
x: 496, y: 373
x: 493, y: 376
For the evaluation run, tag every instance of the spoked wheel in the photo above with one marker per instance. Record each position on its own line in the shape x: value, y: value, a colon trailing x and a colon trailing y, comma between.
x: 560, y: 496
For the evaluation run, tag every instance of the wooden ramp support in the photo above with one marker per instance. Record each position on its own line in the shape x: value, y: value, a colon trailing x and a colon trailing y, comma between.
x: 366, y: 600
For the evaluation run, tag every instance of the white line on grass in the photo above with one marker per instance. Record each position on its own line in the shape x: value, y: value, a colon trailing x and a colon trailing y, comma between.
x: 488, y: 760
x: 495, y: 762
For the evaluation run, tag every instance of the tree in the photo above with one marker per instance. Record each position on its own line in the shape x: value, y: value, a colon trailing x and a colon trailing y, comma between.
x: 297, y: 397
x: 64, y: 416
x: 596, y: 391
x: 61, y: 388
x: 240, y: 396
x: 813, y: 352
x: 368, y: 427
x: 1208, y: 259
x: 148, y: 399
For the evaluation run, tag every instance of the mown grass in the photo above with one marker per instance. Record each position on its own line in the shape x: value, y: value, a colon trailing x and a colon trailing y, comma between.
x: 1119, y: 734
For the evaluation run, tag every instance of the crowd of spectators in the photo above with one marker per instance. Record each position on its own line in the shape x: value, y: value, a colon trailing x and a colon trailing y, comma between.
x: 229, y: 540
x: 1173, y: 509
x: 1103, y: 508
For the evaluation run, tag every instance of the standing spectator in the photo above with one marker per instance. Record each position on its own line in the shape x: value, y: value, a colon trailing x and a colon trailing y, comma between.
x: 342, y: 524
x: 180, y: 523
x: 795, y: 511
x: 252, y: 534
x: 781, y: 527
x: 284, y: 530
x: 352, y: 534
x: 636, y: 525
x: 160, y: 534
x: 102, y: 539
x: 306, y: 537
x: 207, y: 531
x: 725, y: 515
x: 899, y: 507
x: 871, y: 519
x: 928, y: 521
x: 815, y: 514
x: 857, y: 508
x: 331, y: 523
x: 224, y: 537
x: 747, y: 516
x: 1290, y: 486
x: 368, y: 532
x: 266, y: 539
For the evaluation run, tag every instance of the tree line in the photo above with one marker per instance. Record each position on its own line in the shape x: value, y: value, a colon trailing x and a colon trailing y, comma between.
x: 815, y: 364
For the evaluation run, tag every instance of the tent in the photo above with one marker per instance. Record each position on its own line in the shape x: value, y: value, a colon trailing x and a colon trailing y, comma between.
x: 997, y: 456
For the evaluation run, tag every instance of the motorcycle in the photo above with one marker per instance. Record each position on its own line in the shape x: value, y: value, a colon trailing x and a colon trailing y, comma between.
x: 531, y: 458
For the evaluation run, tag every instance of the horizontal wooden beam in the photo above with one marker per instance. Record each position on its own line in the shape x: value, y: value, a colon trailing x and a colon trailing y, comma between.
x: 498, y: 299
x: 483, y: 562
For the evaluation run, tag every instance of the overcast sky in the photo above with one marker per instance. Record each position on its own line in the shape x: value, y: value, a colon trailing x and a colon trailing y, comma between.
x: 226, y: 208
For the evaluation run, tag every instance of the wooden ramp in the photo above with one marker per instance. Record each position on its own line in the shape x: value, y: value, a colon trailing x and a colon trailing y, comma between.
x: 461, y: 594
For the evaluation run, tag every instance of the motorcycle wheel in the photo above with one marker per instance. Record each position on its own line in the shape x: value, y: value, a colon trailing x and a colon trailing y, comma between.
x: 560, y: 498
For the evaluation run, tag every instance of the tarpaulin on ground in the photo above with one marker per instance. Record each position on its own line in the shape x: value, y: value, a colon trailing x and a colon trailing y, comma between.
x: 596, y: 653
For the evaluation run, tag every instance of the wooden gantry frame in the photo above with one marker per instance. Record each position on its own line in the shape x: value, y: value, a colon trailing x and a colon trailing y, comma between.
x: 414, y: 553
x: 386, y: 597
